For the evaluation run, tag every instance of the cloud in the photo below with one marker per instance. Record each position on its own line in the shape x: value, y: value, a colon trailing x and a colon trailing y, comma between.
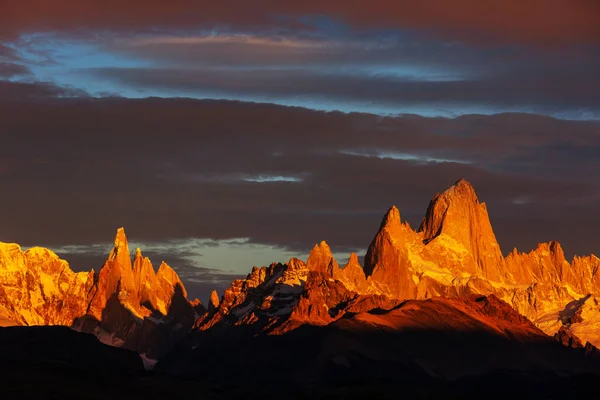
x: 553, y: 92
x: 10, y: 70
x: 75, y: 169
x: 19, y: 91
x: 551, y: 22
x: 385, y: 73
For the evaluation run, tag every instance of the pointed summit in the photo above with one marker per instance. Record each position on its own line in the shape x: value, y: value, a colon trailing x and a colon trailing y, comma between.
x: 321, y: 259
x: 352, y: 275
x: 455, y: 203
x: 463, y: 187
x: 214, y: 302
x: 120, y: 252
x: 457, y: 221
x: 115, y: 278
x: 353, y: 260
x: 391, y: 218
x: 387, y: 263
x: 120, y: 238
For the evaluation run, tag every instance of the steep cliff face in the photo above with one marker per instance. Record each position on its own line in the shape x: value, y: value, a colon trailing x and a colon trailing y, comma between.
x: 456, y: 221
x: 38, y: 288
x: 115, y: 278
x: 124, y: 305
x: 282, y: 297
x: 388, y: 261
x: 133, y: 307
x: 352, y: 275
x: 453, y: 254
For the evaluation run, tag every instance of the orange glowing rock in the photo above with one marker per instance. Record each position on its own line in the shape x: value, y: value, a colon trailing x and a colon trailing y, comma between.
x: 124, y: 305
x: 454, y: 253
x: 38, y: 288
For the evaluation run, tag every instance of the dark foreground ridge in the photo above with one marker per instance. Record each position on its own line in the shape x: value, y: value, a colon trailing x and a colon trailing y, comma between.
x: 475, y: 347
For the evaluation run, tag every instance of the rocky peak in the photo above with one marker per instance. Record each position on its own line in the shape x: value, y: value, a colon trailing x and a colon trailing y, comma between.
x: 353, y: 260
x: 451, y: 213
x: 146, y: 283
x: 459, y: 222
x: 214, y: 302
x: 120, y: 250
x: 387, y: 263
x: 546, y: 263
x: 352, y: 275
x: 38, y: 288
x: 321, y: 259
x: 115, y: 278
x: 123, y: 305
x: 391, y: 219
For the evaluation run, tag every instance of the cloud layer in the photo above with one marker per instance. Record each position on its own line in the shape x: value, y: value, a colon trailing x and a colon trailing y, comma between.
x: 74, y: 169
x: 101, y: 126
x: 551, y: 22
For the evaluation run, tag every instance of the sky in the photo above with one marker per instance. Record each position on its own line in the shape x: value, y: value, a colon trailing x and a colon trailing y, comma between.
x: 224, y: 135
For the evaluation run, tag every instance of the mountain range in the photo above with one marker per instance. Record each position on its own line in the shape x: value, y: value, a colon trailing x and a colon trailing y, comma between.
x: 438, y: 309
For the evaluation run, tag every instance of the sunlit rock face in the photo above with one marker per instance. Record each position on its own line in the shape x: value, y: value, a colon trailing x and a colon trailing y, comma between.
x: 454, y: 253
x: 458, y: 222
x: 135, y: 307
x: 282, y: 297
x: 124, y: 305
x: 38, y: 288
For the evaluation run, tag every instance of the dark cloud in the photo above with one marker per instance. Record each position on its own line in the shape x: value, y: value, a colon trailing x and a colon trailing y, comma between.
x: 17, y: 92
x: 546, y: 91
x: 10, y: 70
x: 74, y: 170
x: 549, y: 22
x: 8, y: 53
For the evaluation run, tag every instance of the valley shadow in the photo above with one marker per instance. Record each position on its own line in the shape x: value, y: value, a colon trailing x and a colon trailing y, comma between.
x: 56, y: 362
x: 336, y: 361
x: 153, y: 335
x: 572, y: 312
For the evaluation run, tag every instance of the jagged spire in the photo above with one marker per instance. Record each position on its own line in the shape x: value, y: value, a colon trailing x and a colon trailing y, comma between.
x: 320, y: 258
x: 120, y: 251
x: 449, y: 208
x: 458, y: 215
x: 120, y: 236
x: 353, y: 260
x: 214, y: 302
x: 391, y: 218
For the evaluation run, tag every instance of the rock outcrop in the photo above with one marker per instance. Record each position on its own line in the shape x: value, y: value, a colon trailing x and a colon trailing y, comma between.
x: 38, y: 288
x: 453, y: 254
x: 457, y: 221
x: 283, y: 297
x: 124, y: 305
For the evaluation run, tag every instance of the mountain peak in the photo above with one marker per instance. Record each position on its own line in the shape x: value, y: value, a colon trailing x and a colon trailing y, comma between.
x: 463, y: 191
x: 452, y: 212
x: 320, y: 258
x: 391, y: 218
x: 214, y: 302
x: 353, y: 260
x: 463, y: 184
x: 120, y: 237
x: 460, y: 221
